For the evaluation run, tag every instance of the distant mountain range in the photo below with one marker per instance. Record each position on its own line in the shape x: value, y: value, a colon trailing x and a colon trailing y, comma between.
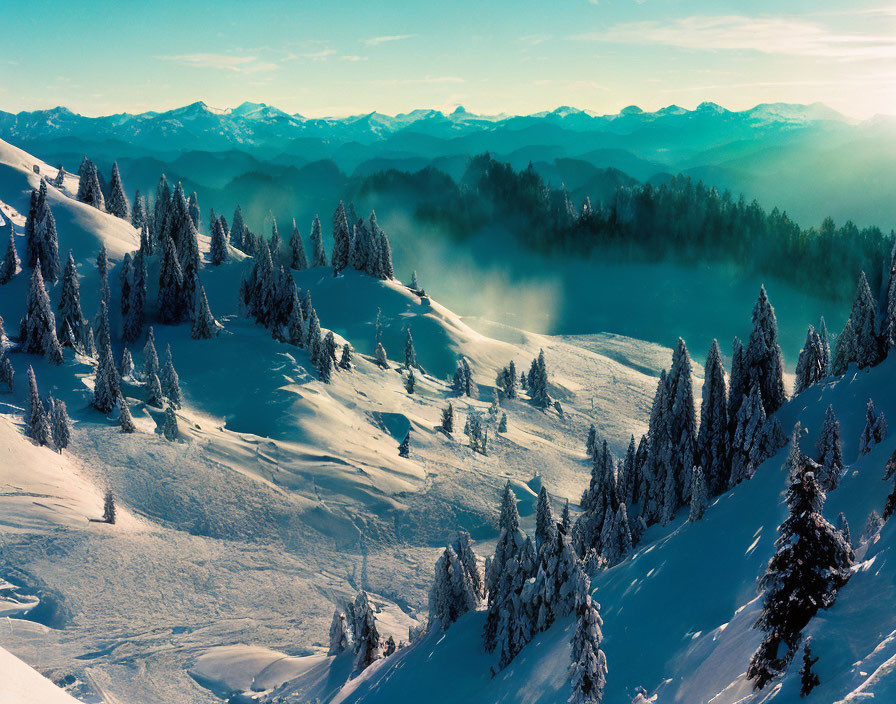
x: 807, y: 159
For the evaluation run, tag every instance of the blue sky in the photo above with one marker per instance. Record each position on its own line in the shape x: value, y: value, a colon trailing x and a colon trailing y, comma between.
x: 515, y: 56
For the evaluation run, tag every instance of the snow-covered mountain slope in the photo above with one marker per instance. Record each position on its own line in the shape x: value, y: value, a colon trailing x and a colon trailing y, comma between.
x: 678, y: 614
x: 22, y: 685
x: 284, y: 495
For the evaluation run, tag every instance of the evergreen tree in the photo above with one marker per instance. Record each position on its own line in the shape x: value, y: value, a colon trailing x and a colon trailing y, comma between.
x: 875, y: 429
x: 598, y: 501
x: 713, y: 448
x: 591, y: 441
x: 296, y: 323
x: 117, y: 204
x: 124, y: 416
x: 139, y: 216
x: 825, y: 345
x: 410, y: 354
x: 237, y: 230
x: 219, y: 251
x: 171, y: 382
x: 318, y: 253
x: 829, y: 452
x: 204, y: 324
x: 746, y: 450
x: 154, y: 391
x: 763, y: 363
x: 539, y: 384
x: 41, y: 239
x: 682, y: 425
x: 808, y: 679
x: 359, y: 249
x: 37, y: 425
x: 448, y: 419
x: 127, y: 363
x: 338, y: 634
x: 812, y: 561
x: 313, y: 340
x: 698, y: 495
x: 339, y: 258
x: 109, y: 507
x: 324, y: 364
x: 845, y: 349
x: 125, y: 283
x: 133, y: 322
x: 150, y: 357
x: 411, y: 381
x: 863, y: 322
x: 565, y: 520
x: 70, y: 299
x: 171, y: 286
x: 275, y: 240
x: 738, y: 388
x: 544, y: 518
x: 60, y: 424
x: 297, y: 258
x: 502, y: 425
x: 381, y: 360
x: 106, y: 386
x: 38, y: 328
x: 10, y: 264
x: 872, y: 527
x: 810, y: 368
x: 405, y: 447
x: 89, y: 190
x: 169, y: 429
x: 7, y: 373
x: 457, y: 586
x: 589, y: 664
x: 193, y: 210
x: 462, y: 384
x: 415, y: 284
x: 345, y: 361
x: 102, y: 266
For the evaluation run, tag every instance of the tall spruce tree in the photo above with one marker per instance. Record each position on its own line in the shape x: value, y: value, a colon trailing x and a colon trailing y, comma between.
x: 811, y: 562
x: 219, y: 251
x: 341, y: 236
x: 106, y: 385
x: 318, y: 253
x: 89, y: 190
x: 69, y: 307
x: 811, y: 366
x: 763, y: 362
x: 38, y: 327
x: 829, y: 452
x: 133, y: 321
x: 682, y: 424
x: 139, y: 215
x: 171, y: 300
x: 204, y: 324
x: 117, y: 204
x: 171, y: 382
x: 297, y: 258
x: 37, y: 425
x: 60, y: 424
x: 588, y: 670
x: 10, y: 264
x: 713, y: 447
x: 410, y: 354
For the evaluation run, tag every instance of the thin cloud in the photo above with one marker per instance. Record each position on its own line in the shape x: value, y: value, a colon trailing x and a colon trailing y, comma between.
x: 376, y: 41
x: 788, y: 35
x: 223, y: 62
x: 419, y: 81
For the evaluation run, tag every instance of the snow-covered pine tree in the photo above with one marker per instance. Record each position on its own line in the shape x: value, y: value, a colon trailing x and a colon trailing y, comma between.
x: 657, y: 456
x: 237, y: 230
x: 508, y: 548
x: 124, y: 416
x: 539, y: 384
x: 410, y: 354
x: 127, y: 364
x: 313, y: 339
x: 297, y: 258
x: 275, y: 242
x: 109, y: 507
x: 829, y: 452
x: 37, y: 329
x: 171, y: 382
x: 410, y: 383
x: 171, y: 286
x: 117, y: 204
x: 810, y: 368
x: 205, y: 326
x: 70, y: 299
x: 872, y: 527
x: 42, y: 241
x: 124, y: 279
x: 698, y: 495
x: 381, y: 360
x: 139, y: 216
x: 7, y: 373
x: 169, y: 429
x: 150, y: 356
x: 359, y: 246
x: 404, y: 448
x: 747, y: 438
x: 345, y: 360
x: 763, y: 362
x: 599, y: 500
x: 452, y: 593
x: 875, y: 429
x: 339, y: 634
x: 588, y: 671
x: 462, y: 383
x: 106, y: 385
x: 37, y: 424
x: 738, y: 387
x: 341, y: 236
x: 324, y: 364
x: 102, y: 266
x: 219, y: 251
x: 318, y: 253
x: 154, y: 391
x: 133, y: 322
x: 447, y: 419
x: 10, y: 264
x: 825, y: 345
x: 193, y: 210
x: 682, y: 423
x: 591, y: 441
x: 60, y: 424
x: 59, y: 181
x: 812, y: 561
x: 845, y: 349
x: 386, y: 268
x: 808, y: 679
x: 295, y: 325
x: 863, y: 320
x: 502, y: 424
x: 544, y: 518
